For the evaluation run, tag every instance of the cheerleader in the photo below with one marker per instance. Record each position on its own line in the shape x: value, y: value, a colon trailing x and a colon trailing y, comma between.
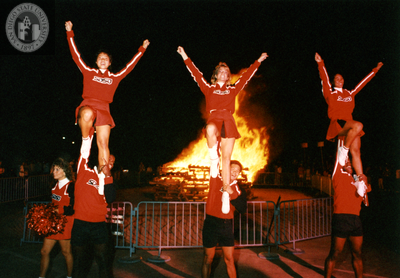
x: 63, y: 196
x: 340, y: 109
x: 220, y: 104
x: 99, y: 86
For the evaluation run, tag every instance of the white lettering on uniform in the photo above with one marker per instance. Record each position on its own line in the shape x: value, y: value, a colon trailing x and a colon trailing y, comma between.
x: 103, y: 80
x: 346, y: 99
x: 219, y: 92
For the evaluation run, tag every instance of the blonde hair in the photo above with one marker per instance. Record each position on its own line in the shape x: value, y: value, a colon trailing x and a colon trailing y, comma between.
x: 216, y: 71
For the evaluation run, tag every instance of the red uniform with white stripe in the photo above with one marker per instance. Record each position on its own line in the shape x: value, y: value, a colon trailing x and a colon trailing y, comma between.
x: 340, y: 103
x: 89, y: 205
x: 214, y: 199
x: 345, y: 197
x: 220, y: 101
x: 60, y: 197
x: 99, y: 88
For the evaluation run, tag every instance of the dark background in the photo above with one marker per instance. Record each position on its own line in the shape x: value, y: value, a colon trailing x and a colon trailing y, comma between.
x: 157, y: 107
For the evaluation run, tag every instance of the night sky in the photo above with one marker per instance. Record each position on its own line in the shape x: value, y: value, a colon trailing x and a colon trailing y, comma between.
x: 157, y: 107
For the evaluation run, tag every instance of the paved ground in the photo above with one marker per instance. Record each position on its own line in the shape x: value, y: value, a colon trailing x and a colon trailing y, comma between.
x: 24, y: 261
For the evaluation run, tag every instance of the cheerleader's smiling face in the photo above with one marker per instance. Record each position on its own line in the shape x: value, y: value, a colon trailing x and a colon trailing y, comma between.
x: 223, y: 75
x: 235, y: 171
x: 338, y: 81
x: 103, y: 61
x: 58, y: 173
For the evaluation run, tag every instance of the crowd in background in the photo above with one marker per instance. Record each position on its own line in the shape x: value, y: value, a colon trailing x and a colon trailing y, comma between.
x: 380, y: 176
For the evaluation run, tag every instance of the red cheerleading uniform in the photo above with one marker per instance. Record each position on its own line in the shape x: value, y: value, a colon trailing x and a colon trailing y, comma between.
x: 214, y: 199
x: 61, y: 198
x: 340, y: 103
x: 89, y: 206
x: 99, y: 88
x: 220, y: 101
x: 345, y: 198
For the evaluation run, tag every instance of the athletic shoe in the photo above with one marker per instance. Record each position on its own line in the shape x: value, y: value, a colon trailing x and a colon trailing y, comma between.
x: 342, y: 155
x: 225, y: 203
x: 214, y: 168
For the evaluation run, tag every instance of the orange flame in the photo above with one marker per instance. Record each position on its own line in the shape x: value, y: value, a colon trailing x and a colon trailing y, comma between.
x: 251, y: 149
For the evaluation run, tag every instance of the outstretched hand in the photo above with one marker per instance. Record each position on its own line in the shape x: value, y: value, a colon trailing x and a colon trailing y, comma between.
x: 145, y: 44
x: 380, y: 64
x: 318, y: 58
x: 263, y: 57
x: 182, y: 52
x: 68, y: 25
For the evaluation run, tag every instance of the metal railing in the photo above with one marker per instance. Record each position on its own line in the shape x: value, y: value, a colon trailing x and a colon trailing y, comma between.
x: 120, y: 216
x: 15, y: 189
x: 304, y: 219
x: 179, y: 224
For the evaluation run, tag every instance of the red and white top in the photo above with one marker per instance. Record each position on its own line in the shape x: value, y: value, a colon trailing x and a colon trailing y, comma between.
x: 340, y: 101
x: 345, y: 197
x: 61, y: 198
x: 214, y: 199
x: 89, y: 205
x: 98, y: 85
x: 217, y: 97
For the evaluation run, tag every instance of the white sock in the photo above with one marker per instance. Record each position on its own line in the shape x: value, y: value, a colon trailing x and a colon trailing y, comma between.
x: 86, y: 145
x: 213, y: 151
x: 214, y: 159
x: 225, y: 203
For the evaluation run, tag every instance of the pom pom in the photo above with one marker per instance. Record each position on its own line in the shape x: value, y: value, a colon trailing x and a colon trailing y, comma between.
x: 44, y: 220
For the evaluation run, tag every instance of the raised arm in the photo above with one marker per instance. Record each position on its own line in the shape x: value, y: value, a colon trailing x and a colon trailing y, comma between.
x: 194, y: 71
x: 247, y: 75
x: 132, y: 63
x: 76, y: 56
x: 366, y: 79
x: 323, y: 74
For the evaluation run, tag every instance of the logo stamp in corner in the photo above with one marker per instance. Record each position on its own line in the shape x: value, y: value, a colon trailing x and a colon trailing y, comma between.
x: 27, y: 27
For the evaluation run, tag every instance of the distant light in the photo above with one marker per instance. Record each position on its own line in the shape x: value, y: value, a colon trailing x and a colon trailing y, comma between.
x: 63, y: 138
x: 125, y: 171
x: 73, y: 142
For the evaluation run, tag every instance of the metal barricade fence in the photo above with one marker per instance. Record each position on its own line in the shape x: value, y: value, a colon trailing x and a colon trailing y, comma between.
x: 38, y: 186
x: 180, y: 224
x: 120, y: 216
x: 304, y: 219
x: 256, y: 227
x: 15, y: 189
x: 12, y: 189
x: 169, y: 224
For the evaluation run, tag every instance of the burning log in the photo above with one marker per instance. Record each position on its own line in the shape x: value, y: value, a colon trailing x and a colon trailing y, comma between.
x: 189, y: 184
